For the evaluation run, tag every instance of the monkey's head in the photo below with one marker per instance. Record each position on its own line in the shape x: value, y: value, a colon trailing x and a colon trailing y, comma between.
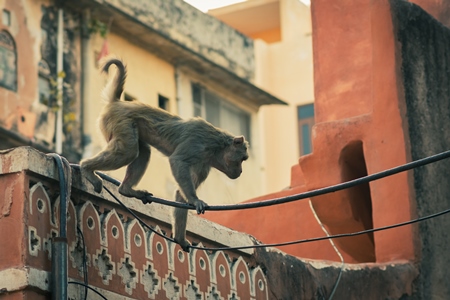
x: 233, y: 157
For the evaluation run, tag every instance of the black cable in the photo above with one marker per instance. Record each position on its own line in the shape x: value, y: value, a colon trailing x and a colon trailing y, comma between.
x: 284, y: 243
x: 60, y: 274
x: 84, y: 264
x: 348, y: 184
x: 336, y: 236
x: 87, y: 286
x: 63, y: 186
x: 301, y: 196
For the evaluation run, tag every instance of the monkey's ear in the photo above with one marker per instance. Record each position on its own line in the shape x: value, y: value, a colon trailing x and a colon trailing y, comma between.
x: 238, y: 140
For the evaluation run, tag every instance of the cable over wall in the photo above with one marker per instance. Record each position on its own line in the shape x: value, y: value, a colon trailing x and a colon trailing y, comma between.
x: 301, y: 196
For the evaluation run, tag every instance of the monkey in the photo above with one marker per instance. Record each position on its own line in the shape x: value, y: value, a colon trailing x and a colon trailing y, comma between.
x: 192, y: 146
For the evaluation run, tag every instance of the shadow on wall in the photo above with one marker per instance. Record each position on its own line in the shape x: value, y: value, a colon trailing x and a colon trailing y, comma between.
x: 350, y: 210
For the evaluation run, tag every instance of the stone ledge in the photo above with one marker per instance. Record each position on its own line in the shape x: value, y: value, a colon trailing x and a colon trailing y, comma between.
x: 28, y: 159
x: 16, y: 279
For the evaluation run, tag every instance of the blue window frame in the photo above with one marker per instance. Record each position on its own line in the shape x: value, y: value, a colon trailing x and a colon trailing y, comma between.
x: 305, y: 118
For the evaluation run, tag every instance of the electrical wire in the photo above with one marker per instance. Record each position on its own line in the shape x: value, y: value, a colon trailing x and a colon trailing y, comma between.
x: 84, y: 264
x: 330, y: 189
x: 336, y: 236
x: 301, y: 196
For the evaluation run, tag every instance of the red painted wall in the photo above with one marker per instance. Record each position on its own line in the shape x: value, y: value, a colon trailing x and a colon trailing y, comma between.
x: 360, y: 130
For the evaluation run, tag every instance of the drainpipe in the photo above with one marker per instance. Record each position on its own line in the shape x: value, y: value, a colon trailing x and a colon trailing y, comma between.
x: 59, y: 72
x: 85, y: 60
x: 59, y: 244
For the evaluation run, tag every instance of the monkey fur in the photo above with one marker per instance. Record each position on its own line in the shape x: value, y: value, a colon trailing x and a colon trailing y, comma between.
x: 193, y: 147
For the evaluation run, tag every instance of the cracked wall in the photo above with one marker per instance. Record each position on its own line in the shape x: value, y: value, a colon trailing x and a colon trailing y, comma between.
x: 423, y: 44
x: 196, y: 31
x: 26, y: 113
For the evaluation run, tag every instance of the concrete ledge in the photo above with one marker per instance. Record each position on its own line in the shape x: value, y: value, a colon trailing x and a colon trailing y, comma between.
x: 31, y: 160
x: 13, y: 279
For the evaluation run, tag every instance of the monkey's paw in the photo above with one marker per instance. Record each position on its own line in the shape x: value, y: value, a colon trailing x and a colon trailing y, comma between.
x: 185, y: 245
x: 95, y: 180
x: 146, y: 198
x: 142, y: 195
x: 200, y: 206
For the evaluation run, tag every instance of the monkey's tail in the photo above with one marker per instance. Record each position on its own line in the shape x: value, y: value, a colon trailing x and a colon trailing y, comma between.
x: 114, y: 88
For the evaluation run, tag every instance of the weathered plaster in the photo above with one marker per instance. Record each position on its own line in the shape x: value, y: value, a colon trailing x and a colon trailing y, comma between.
x: 125, y: 261
x: 22, y: 112
x: 14, y: 279
x: 175, y: 32
x: 16, y: 104
x: 315, y: 280
x: 122, y: 257
x: 186, y: 25
x: 423, y: 45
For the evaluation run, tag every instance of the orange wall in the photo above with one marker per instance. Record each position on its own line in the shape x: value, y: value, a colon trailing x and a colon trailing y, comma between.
x: 359, y: 131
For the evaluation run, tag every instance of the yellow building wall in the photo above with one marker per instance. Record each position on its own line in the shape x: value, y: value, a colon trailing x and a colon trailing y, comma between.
x: 147, y: 77
x: 218, y: 188
x: 284, y: 69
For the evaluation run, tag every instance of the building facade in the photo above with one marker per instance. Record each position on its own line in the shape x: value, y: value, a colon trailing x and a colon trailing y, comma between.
x: 282, y: 34
x: 172, y: 63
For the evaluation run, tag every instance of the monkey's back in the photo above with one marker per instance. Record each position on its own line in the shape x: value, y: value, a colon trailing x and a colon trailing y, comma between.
x: 120, y: 115
x: 159, y: 128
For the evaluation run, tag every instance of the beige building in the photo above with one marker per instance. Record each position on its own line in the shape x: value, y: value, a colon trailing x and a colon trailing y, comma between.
x: 281, y: 30
x: 230, y: 101
x: 282, y: 55
x: 178, y: 58
x: 184, y: 92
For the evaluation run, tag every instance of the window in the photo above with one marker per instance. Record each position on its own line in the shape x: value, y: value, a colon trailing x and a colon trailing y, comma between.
x: 163, y: 102
x: 44, y: 83
x: 305, y: 117
x: 220, y: 112
x: 8, y: 62
x: 197, y: 98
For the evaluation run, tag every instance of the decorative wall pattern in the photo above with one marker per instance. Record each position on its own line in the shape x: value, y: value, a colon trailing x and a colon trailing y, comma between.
x: 124, y: 258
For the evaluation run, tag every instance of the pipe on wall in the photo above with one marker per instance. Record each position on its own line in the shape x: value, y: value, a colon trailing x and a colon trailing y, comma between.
x: 59, y: 244
x: 86, y: 59
x: 60, y: 78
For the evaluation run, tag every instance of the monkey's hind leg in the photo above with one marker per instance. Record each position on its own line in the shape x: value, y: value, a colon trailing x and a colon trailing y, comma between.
x: 120, y: 151
x: 180, y: 216
x: 88, y: 172
x: 134, y: 174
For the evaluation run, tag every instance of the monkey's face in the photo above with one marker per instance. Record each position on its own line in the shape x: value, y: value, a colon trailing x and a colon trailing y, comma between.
x: 234, y: 156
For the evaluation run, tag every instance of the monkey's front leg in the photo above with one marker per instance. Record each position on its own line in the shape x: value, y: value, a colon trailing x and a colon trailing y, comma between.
x: 189, y: 178
x: 180, y: 223
x: 180, y: 216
